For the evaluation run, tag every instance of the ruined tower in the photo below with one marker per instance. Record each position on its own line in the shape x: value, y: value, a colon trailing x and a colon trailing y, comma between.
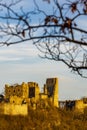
x: 52, y: 90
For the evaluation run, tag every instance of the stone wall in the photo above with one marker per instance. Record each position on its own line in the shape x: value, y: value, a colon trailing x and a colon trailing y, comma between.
x: 33, y: 91
x: 52, y: 90
x: 80, y: 105
x: 14, y: 109
x: 15, y: 90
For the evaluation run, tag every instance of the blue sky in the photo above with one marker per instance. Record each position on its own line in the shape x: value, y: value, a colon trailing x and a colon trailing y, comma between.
x: 21, y: 62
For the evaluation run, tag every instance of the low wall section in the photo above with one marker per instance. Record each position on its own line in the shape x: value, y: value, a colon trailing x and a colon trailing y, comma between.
x: 12, y: 109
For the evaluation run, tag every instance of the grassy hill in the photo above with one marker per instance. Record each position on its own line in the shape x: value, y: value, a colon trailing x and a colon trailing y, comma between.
x: 45, y: 119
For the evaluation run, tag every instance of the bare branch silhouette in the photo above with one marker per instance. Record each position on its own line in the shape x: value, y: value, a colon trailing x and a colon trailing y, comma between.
x: 60, y: 35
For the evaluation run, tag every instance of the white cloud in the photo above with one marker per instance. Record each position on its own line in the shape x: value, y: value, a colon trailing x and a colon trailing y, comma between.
x: 4, y: 58
x: 18, y: 52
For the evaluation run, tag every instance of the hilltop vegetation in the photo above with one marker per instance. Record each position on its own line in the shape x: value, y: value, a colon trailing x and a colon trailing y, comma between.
x: 45, y: 119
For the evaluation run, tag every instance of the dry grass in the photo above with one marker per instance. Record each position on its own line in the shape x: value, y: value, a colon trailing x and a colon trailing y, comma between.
x: 45, y: 119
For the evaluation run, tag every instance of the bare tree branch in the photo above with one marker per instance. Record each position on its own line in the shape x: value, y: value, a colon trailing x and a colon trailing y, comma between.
x: 59, y: 34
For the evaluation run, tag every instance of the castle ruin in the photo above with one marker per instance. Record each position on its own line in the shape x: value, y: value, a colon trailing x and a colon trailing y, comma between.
x: 18, y: 98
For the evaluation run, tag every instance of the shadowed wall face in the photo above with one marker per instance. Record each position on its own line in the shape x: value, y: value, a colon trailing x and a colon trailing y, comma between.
x: 31, y: 92
x: 52, y: 90
x: 50, y: 86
